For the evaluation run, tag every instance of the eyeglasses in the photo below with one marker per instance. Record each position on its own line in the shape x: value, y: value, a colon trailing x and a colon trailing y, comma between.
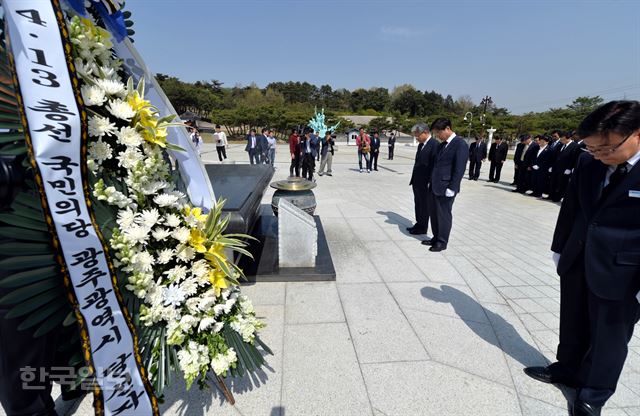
x: 606, y: 149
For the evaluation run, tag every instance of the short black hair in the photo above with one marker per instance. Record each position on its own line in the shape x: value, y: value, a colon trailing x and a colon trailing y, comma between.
x: 440, y: 123
x: 252, y: 131
x: 264, y: 129
x: 622, y: 117
x: 545, y: 138
x: 217, y: 126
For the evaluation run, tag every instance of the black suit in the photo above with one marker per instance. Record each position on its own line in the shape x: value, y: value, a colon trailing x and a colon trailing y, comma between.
x: 517, y: 162
x: 420, y: 178
x: 497, y: 156
x: 525, y: 177
x: 598, y: 238
x: 375, y: 152
x: 448, y: 170
x: 564, y: 163
x: 540, y: 172
x: 477, y: 153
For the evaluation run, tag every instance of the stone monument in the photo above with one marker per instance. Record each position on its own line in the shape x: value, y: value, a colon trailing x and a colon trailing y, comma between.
x: 297, y: 236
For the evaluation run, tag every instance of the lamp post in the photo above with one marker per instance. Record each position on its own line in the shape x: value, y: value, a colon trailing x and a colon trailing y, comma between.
x: 486, y: 101
x: 468, y: 116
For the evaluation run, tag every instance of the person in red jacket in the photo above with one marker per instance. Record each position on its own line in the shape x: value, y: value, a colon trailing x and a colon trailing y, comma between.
x: 294, y: 149
x: 364, y: 148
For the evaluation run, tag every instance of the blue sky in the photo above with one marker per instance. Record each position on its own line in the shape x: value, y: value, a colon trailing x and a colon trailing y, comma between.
x: 527, y: 55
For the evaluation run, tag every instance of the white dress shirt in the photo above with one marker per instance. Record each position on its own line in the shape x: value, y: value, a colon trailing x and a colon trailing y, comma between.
x: 631, y: 162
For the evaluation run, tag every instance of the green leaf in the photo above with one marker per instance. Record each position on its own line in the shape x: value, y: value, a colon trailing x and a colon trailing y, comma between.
x: 28, y: 200
x: 29, y: 276
x: 27, y: 292
x: 35, y: 303
x: 10, y: 126
x: 11, y: 137
x: 13, y: 149
x: 70, y: 319
x: 28, y: 213
x: 51, y: 323
x: 22, y: 234
x: 22, y: 262
x: 175, y: 147
x: 40, y: 315
x: 263, y: 345
x: 23, y: 222
x: 24, y: 249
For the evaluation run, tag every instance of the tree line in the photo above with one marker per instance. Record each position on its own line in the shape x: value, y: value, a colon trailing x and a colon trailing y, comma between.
x: 285, y: 105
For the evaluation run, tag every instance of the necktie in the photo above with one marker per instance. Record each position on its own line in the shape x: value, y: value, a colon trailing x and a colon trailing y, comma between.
x: 564, y: 146
x: 615, y: 179
x: 420, y: 146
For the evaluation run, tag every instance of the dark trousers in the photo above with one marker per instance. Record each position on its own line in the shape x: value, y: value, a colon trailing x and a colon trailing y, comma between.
x: 373, y: 162
x: 441, y: 218
x: 295, y: 165
x: 421, y: 205
x: 516, y: 173
x: 494, y: 171
x: 474, y: 169
x: 559, y: 185
x: 19, y: 349
x: 254, y: 156
x: 308, y: 166
x: 594, y: 334
x: 391, y: 148
x: 539, y: 181
x: 524, y: 179
x: 222, y: 152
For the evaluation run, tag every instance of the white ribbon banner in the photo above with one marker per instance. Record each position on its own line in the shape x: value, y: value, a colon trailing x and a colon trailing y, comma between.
x: 55, y: 133
x: 191, y: 169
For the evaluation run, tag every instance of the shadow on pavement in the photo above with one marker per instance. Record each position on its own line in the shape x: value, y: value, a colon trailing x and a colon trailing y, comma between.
x: 401, y: 222
x: 506, y: 336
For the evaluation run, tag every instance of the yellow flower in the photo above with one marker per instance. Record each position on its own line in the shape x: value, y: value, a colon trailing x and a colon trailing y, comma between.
x: 197, y: 240
x: 218, y: 280
x: 196, y: 213
x: 215, y: 251
x: 138, y: 103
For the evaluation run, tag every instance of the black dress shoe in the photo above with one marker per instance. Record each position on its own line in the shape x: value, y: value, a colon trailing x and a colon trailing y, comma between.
x: 546, y: 375
x: 417, y: 231
x: 581, y: 408
x: 437, y: 247
x: 427, y: 242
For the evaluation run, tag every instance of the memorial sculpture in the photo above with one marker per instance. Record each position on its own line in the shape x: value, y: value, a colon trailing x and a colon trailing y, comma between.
x: 111, y: 235
x: 297, y: 236
x: 317, y: 123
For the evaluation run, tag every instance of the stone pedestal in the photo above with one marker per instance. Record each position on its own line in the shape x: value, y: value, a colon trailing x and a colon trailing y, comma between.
x: 297, y: 236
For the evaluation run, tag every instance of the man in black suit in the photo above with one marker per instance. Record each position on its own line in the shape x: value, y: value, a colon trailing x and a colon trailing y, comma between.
x: 421, y: 176
x: 540, y: 167
x: 477, y: 154
x: 528, y: 160
x: 448, y: 170
x: 252, y: 148
x: 392, y: 145
x: 375, y: 151
x: 563, y: 166
x: 595, y: 247
x: 517, y: 158
x: 263, y: 145
x: 497, y: 156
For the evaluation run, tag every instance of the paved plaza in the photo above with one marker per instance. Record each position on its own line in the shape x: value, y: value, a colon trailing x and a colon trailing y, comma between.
x: 404, y: 331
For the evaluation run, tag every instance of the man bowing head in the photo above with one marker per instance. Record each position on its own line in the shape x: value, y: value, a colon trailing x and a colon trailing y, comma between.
x: 596, y: 248
x: 448, y: 170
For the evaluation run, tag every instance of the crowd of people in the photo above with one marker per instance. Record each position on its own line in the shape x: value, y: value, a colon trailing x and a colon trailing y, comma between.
x: 544, y: 164
x: 306, y: 148
x: 261, y: 148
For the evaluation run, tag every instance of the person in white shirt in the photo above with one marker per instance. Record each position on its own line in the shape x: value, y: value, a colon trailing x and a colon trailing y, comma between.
x: 271, y: 142
x: 220, y: 139
x: 196, y: 139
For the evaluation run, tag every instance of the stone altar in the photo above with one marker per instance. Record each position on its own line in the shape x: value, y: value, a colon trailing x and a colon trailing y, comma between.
x: 297, y: 236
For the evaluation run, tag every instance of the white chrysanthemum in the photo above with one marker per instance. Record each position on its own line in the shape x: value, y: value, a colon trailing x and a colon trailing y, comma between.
x: 187, y: 322
x: 149, y: 217
x: 121, y: 109
x: 165, y: 200
x: 173, y: 295
x: 205, y: 323
x: 126, y: 218
x: 107, y: 72
x: 128, y: 136
x: 177, y: 273
x: 165, y: 256
x: 217, y: 327
x: 100, y: 126
x: 160, y: 234
x: 189, y: 286
x: 172, y: 220
x: 93, y: 95
x: 181, y: 234
x: 129, y: 158
x: 111, y: 87
x: 137, y: 234
x: 186, y: 255
x: 200, y: 269
x: 143, y: 261
x: 152, y: 188
x: 83, y: 68
x: 100, y: 151
x: 246, y: 304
